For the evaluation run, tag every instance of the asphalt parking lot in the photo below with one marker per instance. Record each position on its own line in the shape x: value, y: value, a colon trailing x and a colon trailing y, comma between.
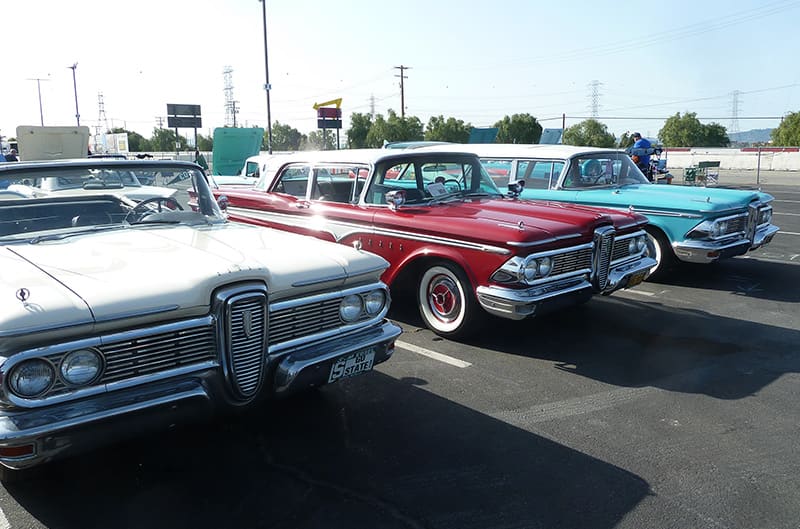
x: 670, y: 405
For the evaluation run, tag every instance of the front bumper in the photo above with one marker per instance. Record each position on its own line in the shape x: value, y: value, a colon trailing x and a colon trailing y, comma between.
x: 73, y: 427
x: 704, y: 252
x: 628, y: 274
x: 518, y: 304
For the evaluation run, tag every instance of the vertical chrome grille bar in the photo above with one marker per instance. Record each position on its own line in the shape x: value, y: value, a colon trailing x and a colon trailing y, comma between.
x: 244, y: 329
x: 604, y: 246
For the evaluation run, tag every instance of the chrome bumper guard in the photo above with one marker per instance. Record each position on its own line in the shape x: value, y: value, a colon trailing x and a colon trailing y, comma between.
x: 518, y: 304
x: 628, y: 274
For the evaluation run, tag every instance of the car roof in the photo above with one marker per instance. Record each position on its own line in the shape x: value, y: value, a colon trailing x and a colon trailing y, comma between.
x: 370, y: 156
x: 519, y: 150
x: 95, y: 163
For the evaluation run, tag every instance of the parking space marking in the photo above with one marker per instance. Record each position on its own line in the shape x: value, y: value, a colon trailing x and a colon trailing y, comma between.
x: 565, y: 409
x: 430, y: 354
x: 788, y: 214
x: 787, y: 233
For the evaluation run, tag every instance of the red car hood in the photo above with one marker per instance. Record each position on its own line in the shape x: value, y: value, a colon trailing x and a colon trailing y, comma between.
x: 523, y: 220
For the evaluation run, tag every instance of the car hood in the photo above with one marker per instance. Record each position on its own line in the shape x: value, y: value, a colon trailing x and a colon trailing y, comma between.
x: 669, y: 197
x: 524, y: 220
x: 112, y: 275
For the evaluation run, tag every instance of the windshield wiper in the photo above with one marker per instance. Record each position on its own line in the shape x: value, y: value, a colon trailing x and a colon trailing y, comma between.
x: 63, y: 235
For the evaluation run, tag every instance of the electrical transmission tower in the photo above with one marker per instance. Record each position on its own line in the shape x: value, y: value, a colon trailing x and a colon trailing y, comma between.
x: 372, y: 106
x: 102, y: 123
x: 594, y: 108
x: 402, y: 89
x: 734, y: 128
x: 230, y: 104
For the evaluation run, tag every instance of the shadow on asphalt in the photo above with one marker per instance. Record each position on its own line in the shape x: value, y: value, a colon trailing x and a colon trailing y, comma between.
x: 371, y: 452
x: 749, y: 277
x: 631, y: 343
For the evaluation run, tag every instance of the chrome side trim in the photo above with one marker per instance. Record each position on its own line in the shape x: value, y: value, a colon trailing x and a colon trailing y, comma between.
x: 360, y: 230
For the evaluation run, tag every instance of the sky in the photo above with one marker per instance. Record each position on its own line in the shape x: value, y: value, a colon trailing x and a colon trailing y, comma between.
x: 632, y: 65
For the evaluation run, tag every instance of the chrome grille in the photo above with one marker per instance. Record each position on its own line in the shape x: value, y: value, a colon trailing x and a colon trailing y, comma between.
x: 736, y: 225
x: 604, y: 245
x: 296, y: 322
x: 151, y: 354
x: 621, y: 250
x: 247, y: 341
x: 571, y: 261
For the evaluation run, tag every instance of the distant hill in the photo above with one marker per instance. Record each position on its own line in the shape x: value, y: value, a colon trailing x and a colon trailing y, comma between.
x: 750, y: 136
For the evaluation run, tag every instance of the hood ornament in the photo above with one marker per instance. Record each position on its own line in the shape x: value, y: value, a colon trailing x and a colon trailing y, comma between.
x: 23, y: 294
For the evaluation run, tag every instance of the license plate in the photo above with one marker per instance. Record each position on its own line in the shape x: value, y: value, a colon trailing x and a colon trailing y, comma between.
x: 636, y: 278
x: 352, y: 364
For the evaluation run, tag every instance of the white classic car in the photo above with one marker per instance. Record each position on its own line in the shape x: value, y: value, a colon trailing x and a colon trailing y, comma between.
x: 118, y: 317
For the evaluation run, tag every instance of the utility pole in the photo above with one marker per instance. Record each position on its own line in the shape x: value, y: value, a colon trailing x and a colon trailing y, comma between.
x: 39, y: 87
x: 267, y: 86
x: 75, y: 87
x: 402, y: 89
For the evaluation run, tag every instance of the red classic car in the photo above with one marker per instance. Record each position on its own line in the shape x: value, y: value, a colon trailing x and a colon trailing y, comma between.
x: 448, y: 232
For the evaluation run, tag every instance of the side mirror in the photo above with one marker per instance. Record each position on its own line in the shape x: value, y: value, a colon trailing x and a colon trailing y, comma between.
x: 515, y: 188
x: 395, y: 199
x: 223, y: 203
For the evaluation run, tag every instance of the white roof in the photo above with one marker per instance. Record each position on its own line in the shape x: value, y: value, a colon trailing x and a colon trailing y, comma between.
x: 511, y: 150
x: 362, y: 155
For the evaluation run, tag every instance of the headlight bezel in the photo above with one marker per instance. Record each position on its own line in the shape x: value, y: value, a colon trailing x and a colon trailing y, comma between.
x: 351, y: 307
x: 14, y: 382
x: 86, y: 352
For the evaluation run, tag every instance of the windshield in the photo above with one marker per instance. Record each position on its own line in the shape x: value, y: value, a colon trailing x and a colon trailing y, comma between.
x: 43, y: 199
x: 600, y: 170
x: 430, y: 179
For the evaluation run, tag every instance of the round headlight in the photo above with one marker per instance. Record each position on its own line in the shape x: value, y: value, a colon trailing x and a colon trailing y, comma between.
x: 31, y: 378
x: 632, y: 246
x: 374, y: 302
x: 641, y: 243
x: 530, y: 270
x: 350, y: 307
x: 545, y: 266
x: 81, y: 367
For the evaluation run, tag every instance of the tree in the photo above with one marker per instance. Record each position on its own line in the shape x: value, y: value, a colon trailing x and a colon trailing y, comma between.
x: 519, y: 128
x: 394, y: 128
x: 284, y: 138
x: 164, y: 140
x: 687, y: 131
x: 787, y: 134
x: 358, y: 131
x: 319, y: 140
x: 452, y: 130
x: 589, y: 133
x: 626, y: 140
x: 205, y: 143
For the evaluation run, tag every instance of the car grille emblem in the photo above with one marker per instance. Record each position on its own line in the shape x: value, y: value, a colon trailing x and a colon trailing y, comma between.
x: 247, y: 322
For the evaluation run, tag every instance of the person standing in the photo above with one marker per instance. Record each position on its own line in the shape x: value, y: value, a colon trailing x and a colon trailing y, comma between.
x: 200, y: 160
x: 12, y: 156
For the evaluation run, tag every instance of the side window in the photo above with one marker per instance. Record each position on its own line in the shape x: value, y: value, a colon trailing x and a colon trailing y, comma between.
x: 251, y: 169
x: 540, y: 174
x: 337, y: 183
x: 500, y: 171
x: 293, y: 180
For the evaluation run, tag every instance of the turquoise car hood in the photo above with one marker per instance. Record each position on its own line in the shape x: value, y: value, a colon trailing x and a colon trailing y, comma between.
x: 656, y: 197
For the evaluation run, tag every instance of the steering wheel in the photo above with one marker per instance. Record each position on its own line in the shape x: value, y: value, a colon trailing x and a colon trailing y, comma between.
x: 453, y: 181
x: 141, y: 209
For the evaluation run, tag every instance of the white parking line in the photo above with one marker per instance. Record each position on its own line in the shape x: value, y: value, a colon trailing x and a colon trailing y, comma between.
x: 430, y: 354
x: 4, y: 521
x: 787, y: 214
x: 787, y: 233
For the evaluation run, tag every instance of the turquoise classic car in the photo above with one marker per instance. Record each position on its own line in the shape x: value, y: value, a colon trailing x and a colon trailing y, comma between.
x: 690, y: 224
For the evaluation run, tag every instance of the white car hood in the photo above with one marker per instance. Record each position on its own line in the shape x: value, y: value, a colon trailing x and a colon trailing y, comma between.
x: 117, y: 274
